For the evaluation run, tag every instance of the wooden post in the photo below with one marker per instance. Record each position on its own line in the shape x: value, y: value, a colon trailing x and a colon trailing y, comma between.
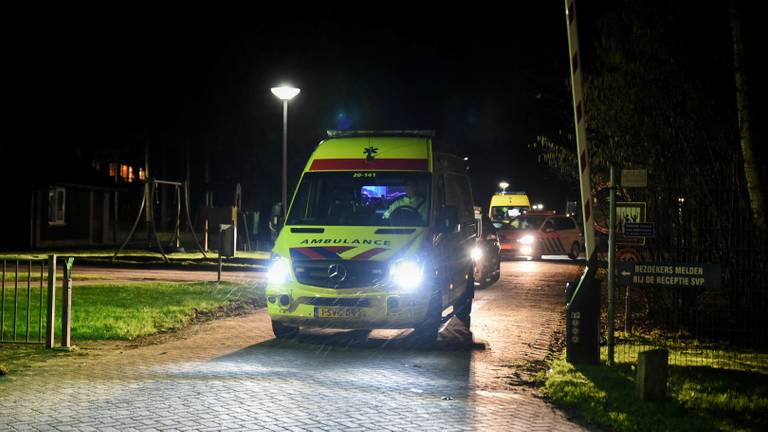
x: 205, y: 236
x: 66, y: 304
x: 218, y: 277
x: 50, y: 331
x: 652, y: 374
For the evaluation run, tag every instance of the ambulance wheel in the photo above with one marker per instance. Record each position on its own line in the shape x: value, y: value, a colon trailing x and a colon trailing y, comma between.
x: 496, y: 274
x: 426, y: 332
x: 283, y: 331
x: 575, y: 251
x: 464, y: 312
x: 463, y: 307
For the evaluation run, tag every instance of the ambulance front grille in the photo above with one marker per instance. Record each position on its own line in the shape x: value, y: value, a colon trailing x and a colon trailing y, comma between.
x: 359, y: 274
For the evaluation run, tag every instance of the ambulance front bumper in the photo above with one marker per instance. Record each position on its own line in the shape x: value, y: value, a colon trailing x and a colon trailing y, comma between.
x: 382, y: 306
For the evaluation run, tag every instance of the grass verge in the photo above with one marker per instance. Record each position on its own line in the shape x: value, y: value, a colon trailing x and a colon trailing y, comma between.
x: 701, y: 397
x: 255, y: 260
x: 130, y: 310
x: 125, y: 311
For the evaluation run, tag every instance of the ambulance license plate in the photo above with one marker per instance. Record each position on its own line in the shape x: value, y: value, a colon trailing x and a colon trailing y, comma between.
x: 338, y: 312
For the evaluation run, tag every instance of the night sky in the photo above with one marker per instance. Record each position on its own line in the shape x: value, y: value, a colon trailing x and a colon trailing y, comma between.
x: 485, y: 79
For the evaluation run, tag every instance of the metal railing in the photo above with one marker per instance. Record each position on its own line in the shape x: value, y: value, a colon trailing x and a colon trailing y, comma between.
x: 28, y: 301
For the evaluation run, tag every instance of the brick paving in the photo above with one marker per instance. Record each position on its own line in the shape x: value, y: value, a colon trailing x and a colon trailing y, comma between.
x: 231, y: 374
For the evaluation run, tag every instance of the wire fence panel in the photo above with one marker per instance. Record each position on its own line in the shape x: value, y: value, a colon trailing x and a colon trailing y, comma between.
x: 699, y: 221
x: 22, y: 301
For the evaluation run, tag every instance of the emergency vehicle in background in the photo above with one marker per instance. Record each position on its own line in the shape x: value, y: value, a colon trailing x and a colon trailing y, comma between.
x: 378, y: 235
x: 541, y: 233
x: 506, y: 206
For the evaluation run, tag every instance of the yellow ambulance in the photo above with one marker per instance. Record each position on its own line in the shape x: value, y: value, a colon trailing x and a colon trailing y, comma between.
x: 506, y: 206
x: 378, y: 235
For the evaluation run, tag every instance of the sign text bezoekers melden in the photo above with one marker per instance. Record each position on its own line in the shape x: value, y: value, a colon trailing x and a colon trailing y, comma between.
x: 669, y: 274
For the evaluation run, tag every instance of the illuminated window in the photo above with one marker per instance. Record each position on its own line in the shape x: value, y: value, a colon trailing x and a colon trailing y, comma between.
x: 124, y: 172
x: 131, y: 176
x: 112, y: 169
x: 57, y: 197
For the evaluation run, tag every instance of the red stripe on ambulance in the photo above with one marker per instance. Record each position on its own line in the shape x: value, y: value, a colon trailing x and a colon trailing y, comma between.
x: 375, y: 164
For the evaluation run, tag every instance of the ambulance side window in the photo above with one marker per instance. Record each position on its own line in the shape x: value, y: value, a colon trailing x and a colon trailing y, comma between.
x: 459, y: 195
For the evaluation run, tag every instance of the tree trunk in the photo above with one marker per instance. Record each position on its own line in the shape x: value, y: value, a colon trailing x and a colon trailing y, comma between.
x: 751, y: 173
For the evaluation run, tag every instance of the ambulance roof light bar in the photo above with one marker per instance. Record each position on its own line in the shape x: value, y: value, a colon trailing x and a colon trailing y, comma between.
x: 367, y: 133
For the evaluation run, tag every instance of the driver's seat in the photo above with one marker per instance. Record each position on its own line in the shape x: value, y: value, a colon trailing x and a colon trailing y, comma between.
x: 342, y: 207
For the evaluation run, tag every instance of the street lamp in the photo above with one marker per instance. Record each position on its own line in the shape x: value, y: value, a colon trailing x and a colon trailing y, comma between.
x: 503, y: 185
x: 285, y: 93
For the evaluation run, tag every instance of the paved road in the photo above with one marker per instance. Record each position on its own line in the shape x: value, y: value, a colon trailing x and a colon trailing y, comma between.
x: 232, y: 375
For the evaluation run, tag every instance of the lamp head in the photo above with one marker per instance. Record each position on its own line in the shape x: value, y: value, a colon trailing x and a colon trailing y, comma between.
x: 285, y: 92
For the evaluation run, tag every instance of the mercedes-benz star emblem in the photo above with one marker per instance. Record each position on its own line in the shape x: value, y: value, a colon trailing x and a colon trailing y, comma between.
x: 337, y: 273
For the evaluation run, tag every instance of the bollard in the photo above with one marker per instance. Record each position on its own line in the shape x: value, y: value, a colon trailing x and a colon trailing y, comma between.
x: 652, y: 372
x: 582, y: 325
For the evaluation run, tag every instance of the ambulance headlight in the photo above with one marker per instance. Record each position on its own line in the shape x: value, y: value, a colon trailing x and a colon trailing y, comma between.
x: 279, y: 271
x: 407, y: 274
x: 526, y: 240
x: 476, y: 253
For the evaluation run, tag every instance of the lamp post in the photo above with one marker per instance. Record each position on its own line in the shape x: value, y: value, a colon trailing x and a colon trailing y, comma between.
x: 285, y: 93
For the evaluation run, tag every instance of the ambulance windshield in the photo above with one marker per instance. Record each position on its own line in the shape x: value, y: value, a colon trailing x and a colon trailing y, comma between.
x: 505, y: 214
x: 366, y: 198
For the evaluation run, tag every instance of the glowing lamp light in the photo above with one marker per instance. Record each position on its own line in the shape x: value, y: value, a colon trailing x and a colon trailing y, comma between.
x: 285, y: 92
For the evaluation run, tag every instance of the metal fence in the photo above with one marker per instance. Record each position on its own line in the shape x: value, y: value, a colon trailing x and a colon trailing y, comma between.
x: 699, y: 221
x: 28, y: 301
x: 17, y: 292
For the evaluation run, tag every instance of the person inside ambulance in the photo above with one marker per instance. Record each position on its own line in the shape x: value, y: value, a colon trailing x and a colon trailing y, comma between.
x: 410, y: 209
x: 343, y: 206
